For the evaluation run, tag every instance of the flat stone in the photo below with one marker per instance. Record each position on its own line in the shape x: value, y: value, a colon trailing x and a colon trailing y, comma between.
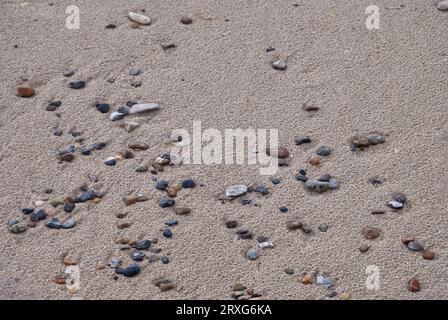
x: 171, y: 222
x: 54, y: 223
x: 165, y: 203
x: 25, y: 92
x: 86, y: 196
x: 428, y: 255
x: 144, y: 107
x: 376, y: 138
x: 110, y: 162
x: 139, y: 18
x: 134, y: 72
x: 38, y: 216
x: 68, y: 72
x: 78, y: 84
x: 262, y: 190
x: 323, y: 151
x: 317, y: 186
x: 138, y: 146
x: 69, y: 207
x: 371, y: 233
x: 294, y: 225
x: 265, y: 245
x: 415, y: 246
x: 236, y: 190
x: 310, y: 107
x: 130, y: 271
x: 137, y: 256
x: 27, y: 210
x: 302, y: 140
x: 143, y: 244
x: 70, y: 223
x: 188, y: 183
x: 359, y: 142
x: 323, y: 281
x: 289, y: 271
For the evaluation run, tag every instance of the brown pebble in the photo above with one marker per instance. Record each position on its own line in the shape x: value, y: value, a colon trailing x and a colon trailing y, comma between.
x: 70, y: 262
x: 289, y: 270
x: 182, y: 211
x: 164, y: 284
x: 122, y: 241
x: 173, y: 190
x: 123, y: 225
x: 60, y: 279
x: 231, y: 224
x: 360, y: 142
x: 371, y: 233
x: 125, y: 154
x: 238, y: 287
x: 96, y: 200
x: 129, y: 200
x: 186, y: 20
x: 294, y: 224
x: 407, y: 239
x: 25, y: 91
x: 308, y: 106
x: 141, y: 169
x: 100, y: 265
x: 138, y: 146
x: 414, y: 285
x: 308, y: 279
x: 314, y: 161
x: 428, y: 255
x: 68, y: 157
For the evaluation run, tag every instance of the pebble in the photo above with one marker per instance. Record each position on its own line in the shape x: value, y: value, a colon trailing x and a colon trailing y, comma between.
x: 139, y: 18
x: 70, y: 223
x: 53, y: 105
x: 78, y: 84
x: 182, y: 211
x: 252, y: 255
x: 115, y: 116
x: 314, y: 161
x: 236, y: 190
x: 138, y: 146
x: 69, y: 207
x: 69, y: 149
x: 415, y: 246
x: 323, y: 151
x: 86, y: 196
x: 137, y: 256
x: 428, y: 255
x: 172, y: 191
x: 186, y: 20
x: 280, y: 152
x: 144, y: 107
x: 325, y: 178
x: 25, y: 92
x: 302, y: 140
x: 246, y: 202
x: 323, y: 281
x: 54, y: 223
x: 68, y: 72
x: 161, y: 185
x: 442, y: 5
x: 376, y: 138
x: 188, y: 183
x: 323, y: 227
x: 171, y: 223
x: 17, y: 228
x: 143, y: 244
x: 115, y: 263
x: 283, y: 209
x: 165, y: 203
x: 110, y: 162
x: 262, y: 189
x: 164, y: 284
x: 302, y: 178
x: 399, y: 197
x: 395, y: 205
x: 110, y: 26
x: 38, y: 216
x: 294, y: 224
x: 27, y: 210
x: 289, y: 271
x: 130, y: 271
x: 102, y: 107
x: 317, y: 186
x: 168, y: 45
x: 57, y: 131
x: 346, y: 296
x: 307, y: 279
x: 164, y: 259
x: 371, y: 233
x: 167, y: 233
x: 414, y: 285
x: 279, y: 65
x: 134, y: 72
x: 309, y: 106
x: 332, y: 294
x: 375, y: 181
x: 364, y: 248
x: 359, y: 142
x: 231, y: 224
x: 265, y: 245
x: 333, y: 183
x: 275, y: 181
x: 141, y: 169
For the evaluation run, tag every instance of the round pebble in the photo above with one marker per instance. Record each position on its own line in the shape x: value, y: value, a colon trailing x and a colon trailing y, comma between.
x: 171, y: 222
x: 69, y: 207
x: 188, y: 183
x: 323, y: 151
x: 17, y: 228
x: 400, y: 197
x: 137, y: 256
x: 129, y: 271
x: 283, y: 209
x: 110, y: 162
x: 279, y: 65
x: 252, y: 255
x: 414, y: 285
x: 428, y: 255
x: 161, y: 185
x: 68, y: 72
x: 165, y: 259
x: 333, y: 183
x: 167, y: 233
x: 102, y: 107
x: 289, y: 271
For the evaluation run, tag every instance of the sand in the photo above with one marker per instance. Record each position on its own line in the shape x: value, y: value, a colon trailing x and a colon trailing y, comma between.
x: 393, y: 80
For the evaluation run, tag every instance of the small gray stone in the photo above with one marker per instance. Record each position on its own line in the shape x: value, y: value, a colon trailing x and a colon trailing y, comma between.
x: 415, y: 246
x: 323, y: 151
x: 442, y: 5
x: 144, y: 107
x: 68, y: 72
x: 317, y: 186
x: 115, y: 116
x: 323, y: 281
x: 395, y: 205
x: 334, y: 183
x: 279, y: 65
x: 115, y: 263
x: 323, y: 227
x: 236, y: 190
x: 252, y: 255
x: 376, y: 138
x: 70, y: 223
x: 134, y: 72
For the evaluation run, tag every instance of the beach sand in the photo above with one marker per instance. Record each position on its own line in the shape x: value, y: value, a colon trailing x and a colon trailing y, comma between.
x: 392, y: 80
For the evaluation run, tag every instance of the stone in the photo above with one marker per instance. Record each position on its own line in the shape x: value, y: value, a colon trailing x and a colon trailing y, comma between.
x: 164, y: 284
x: 144, y: 107
x: 186, y: 20
x: 153, y: 258
x: 38, y: 216
x: 309, y: 107
x: 171, y: 223
x: 414, y: 285
x: 141, y: 169
x: 346, y: 296
x: 167, y: 233
x: 359, y: 142
x: 70, y: 261
x: 165, y: 260
x: 289, y: 271
x: 53, y: 105
x: 110, y: 26
x: 115, y: 116
x: 317, y: 186
x: 68, y: 72
x: 130, y: 271
x: 110, y: 162
x: 333, y: 183
x: 415, y: 246
x: 279, y: 65
x: 442, y: 5
x: 175, y: 137
x: 395, y: 205
x: 407, y: 239
x: 246, y: 202
x: 280, y: 152
x: 371, y: 233
x: 262, y: 190
x: 124, y: 110
x: 130, y: 200
x: 182, y: 211
x: 428, y: 255
x: 314, y: 161
x: 27, y: 210
x: 54, y: 223
x: 294, y: 224
x: 137, y: 256
x: 364, y: 248
x: 283, y: 209
x: 275, y: 181
x: 87, y: 195
x: 307, y: 279
x: 70, y: 223
x: 161, y: 185
x: 136, y: 83
x: 252, y: 255
x: 375, y: 212
x: 69, y: 207
x: 115, y: 263
x: 69, y: 149
x: 325, y: 178
x: 324, y: 281
x: 399, y: 197
x: 302, y: 140
x: 138, y: 146
x: 17, y: 228
x: 139, y: 18
x: 143, y: 244
x: 78, y: 84
x: 302, y: 178
x: 168, y: 45
x: 236, y: 190
x: 231, y: 224
x: 25, y: 92
x: 323, y: 227
x: 376, y: 138
x: 134, y: 72
x: 265, y: 245
x: 323, y: 151
x: 238, y: 287
x: 165, y: 203
x: 123, y: 225
x: 102, y: 107
x: 188, y: 183
x: 172, y: 191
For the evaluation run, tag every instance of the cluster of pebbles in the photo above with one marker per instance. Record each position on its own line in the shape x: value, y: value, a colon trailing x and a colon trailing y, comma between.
x: 138, y: 251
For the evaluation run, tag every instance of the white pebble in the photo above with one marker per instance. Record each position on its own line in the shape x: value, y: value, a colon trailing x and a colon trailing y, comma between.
x: 442, y: 5
x: 144, y: 107
x: 139, y: 18
x: 266, y: 245
x: 236, y: 190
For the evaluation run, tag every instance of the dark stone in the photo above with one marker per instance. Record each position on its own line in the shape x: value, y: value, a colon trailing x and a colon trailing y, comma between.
x: 231, y: 224
x: 171, y: 222
x: 323, y: 151
x: 262, y: 189
x: 69, y: 207
x: 246, y: 201
x: 415, y: 246
x: 78, y: 84
x: 302, y: 178
x: 165, y: 259
x: 110, y: 162
x: 186, y: 20
x: 325, y: 178
x: 38, y: 216
x: 284, y: 209
x: 261, y: 239
x: 27, y: 210
x: 137, y: 256
x: 399, y: 197
x: 102, y: 107
x: 54, y: 224
x: 161, y: 185
x: 275, y: 181
x: 129, y: 271
x: 110, y: 26
x: 188, y: 183
x: 165, y: 203
x: 303, y: 140
x: 143, y: 244
x: 167, y: 233
x: 86, y: 196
